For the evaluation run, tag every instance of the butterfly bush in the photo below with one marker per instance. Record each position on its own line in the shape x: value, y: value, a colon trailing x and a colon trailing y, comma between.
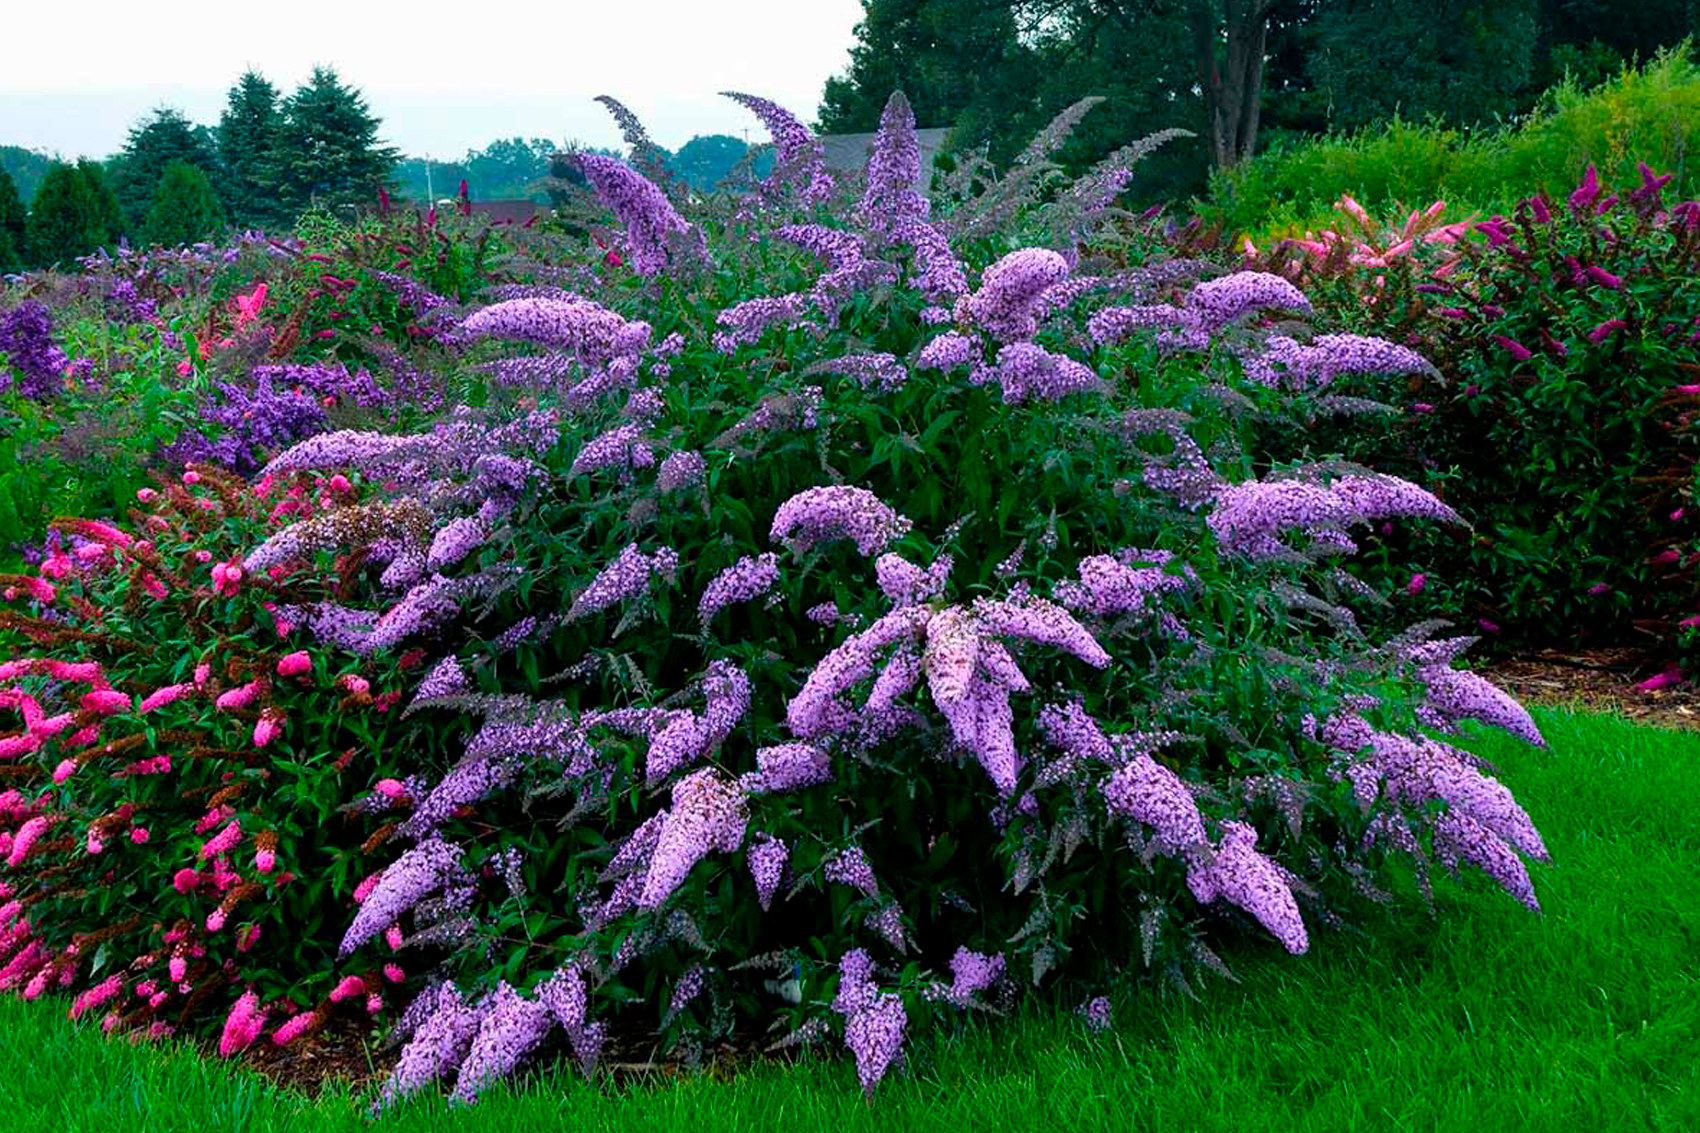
x: 833, y: 690
x: 164, y: 718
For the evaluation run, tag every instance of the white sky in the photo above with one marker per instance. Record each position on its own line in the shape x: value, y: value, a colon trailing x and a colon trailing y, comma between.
x: 443, y: 77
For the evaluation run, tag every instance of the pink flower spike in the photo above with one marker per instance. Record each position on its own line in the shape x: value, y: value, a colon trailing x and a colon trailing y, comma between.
x: 393, y: 937
x: 1415, y: 586
x: 185, y: 880
x: 394, y: 974
x: 106, y: 702
x: 1663, y: 680
x: 297, y: 662
x: 242, y: 1026
x: 267, y: 728
x: 191, y: 478
x: 265, y: 861
x: 202, y: 672
x: 293, y: 1029
x: 1691, y: 621
x: 350, y: 987
x: 1487, y: 626
x: 65, y: 769
x: 247, y: 938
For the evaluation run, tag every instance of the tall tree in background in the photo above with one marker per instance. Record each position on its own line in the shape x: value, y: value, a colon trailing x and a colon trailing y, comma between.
x: 106, y: 216
x: 12, y: 218
x: 165, y: 136
x: 26, y: 168
x: 705, y: 160
x: 960, y: 63
x: 185, y: 209
x: 327, y: 147
x: 1466, y: 62
x: 247, y: 141
x: 72, y: 214
x: 507, y: 167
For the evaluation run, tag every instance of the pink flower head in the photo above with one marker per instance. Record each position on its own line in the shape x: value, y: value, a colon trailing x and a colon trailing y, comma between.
x: 265, y: 860
x: 222, y: 842
x: 293, y: 1029
x: 139, y: 835
x: 242, y: 1026
x: 391, y: 789
x: 106, y: 702
x: 185, y: 880
x: 298, y: 662
x: 1669, y: 677
x: 350, y: 987
x: 1415, y: 586
x: 268, y: 727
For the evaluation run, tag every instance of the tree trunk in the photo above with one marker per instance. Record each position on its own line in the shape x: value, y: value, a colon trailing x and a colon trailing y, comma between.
x: 1232, y: 81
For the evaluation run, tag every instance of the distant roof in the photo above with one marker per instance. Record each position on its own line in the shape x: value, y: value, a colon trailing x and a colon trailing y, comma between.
x: 512, y: 211
x: 849, y: 152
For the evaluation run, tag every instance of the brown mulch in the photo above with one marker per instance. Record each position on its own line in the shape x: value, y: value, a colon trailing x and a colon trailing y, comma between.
x: 342, y: 1050
x: 1600, y: 679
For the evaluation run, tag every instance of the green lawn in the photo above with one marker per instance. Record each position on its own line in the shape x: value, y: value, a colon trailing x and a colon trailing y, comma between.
x: 1489, y: 1020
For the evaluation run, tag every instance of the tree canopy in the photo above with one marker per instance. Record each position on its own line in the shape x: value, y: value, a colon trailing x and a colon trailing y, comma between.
x: 73, y: 213
x: 995, y: 70
x: 328, y: 151
x: 165, y: 136
x: 247, y: 152
x: 185, y: 209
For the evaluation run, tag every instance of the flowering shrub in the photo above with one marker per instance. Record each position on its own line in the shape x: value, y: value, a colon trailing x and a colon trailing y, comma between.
x: 175, y: 756
x: 849, y: 612
x: 1567, y: 337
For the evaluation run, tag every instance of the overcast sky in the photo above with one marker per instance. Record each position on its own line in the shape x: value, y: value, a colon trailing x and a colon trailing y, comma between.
x: 443, y: 77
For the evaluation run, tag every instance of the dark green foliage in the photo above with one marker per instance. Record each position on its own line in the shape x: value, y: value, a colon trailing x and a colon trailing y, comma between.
x: 26, y: 167
x: 12, y: 219
x: 1565, y: 438
x: 327, y: 150
x: 705, y: 160
x: 247, y: 139
x: 184, y: 210
x: 1463, y: 61
x: 166, y: 136
x: 959, y: 63
x: 73, y: 213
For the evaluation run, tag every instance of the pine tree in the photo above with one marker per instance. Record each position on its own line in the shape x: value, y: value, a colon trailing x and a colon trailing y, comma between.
x: 185, y: 209
x: 12, y: 218
x: 64, y: 220
x: 327, y: 151
x: 247, y: 144
x: 164, y: 137
x: 106, y: 223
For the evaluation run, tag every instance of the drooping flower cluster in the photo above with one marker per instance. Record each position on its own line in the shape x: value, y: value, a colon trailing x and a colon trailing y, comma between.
x: 658, y: 239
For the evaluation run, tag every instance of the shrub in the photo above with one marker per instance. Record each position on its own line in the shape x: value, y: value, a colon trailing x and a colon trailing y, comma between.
x: 977, y: 657
x: 1649, y: 114
x: 184, y: 208
x: 172, y: 827
x: 838, y: 645
x: 1566, y: 337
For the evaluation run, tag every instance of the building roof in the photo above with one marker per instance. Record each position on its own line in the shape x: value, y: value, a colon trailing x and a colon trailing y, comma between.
x: 849, y: 152
x: 511, y: 211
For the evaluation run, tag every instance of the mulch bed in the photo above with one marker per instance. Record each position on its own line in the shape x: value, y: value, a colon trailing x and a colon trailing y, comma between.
x: 1601, y: 679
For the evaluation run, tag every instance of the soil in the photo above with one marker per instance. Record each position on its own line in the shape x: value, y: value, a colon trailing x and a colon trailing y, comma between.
x: 1602, y: 679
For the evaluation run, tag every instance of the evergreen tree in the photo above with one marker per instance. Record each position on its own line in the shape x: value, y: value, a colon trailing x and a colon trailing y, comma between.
x: 12, y: 218
x: 327, y: 149
x: 247, y: 144
x: 185, y: 209
x: 106, y: 216
x: 166, y: 136
x: 65, y: 218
